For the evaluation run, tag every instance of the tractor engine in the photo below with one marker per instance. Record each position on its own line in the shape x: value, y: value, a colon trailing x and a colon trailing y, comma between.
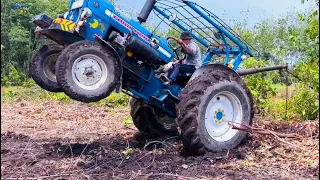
x: 136, y: 48
x: 141, y: 50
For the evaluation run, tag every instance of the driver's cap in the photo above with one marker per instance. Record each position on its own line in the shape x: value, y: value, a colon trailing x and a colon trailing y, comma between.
x: 185, y: 35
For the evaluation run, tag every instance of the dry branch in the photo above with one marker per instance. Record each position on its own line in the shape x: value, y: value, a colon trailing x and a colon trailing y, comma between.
x: 262, y: 131
x: 252, y: 130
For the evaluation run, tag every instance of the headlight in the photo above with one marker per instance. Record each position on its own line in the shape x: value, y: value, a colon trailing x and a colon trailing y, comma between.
x: 77, y: 4
x: 86, y: 13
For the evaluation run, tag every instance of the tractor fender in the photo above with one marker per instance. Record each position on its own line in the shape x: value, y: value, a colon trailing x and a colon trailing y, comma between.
x: 116, y: 55
x: 59, y: 36
x: 212, y: 67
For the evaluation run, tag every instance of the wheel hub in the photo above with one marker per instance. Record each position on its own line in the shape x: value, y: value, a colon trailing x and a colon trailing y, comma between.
x: 89, y: 72
x: 49, y: 67
x: 219, y: 116
x: 223, y: 108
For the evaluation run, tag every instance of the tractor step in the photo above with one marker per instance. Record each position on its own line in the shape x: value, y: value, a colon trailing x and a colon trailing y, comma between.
x: 166, y: 94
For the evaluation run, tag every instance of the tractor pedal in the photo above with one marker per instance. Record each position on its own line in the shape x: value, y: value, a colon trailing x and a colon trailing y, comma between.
x: 173, y: 97
x: 161, y: 98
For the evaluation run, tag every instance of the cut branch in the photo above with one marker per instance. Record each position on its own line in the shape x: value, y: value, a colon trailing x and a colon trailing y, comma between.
x: 262, y: 131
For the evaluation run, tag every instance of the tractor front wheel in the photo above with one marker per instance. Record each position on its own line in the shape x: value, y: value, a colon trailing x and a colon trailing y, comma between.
x: 207, y: 105
x: 87, y: 71
x: 151, y: 121
x: 42, y: 69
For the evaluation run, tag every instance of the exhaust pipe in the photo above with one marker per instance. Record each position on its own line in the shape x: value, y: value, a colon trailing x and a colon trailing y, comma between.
x: 146, y: 10
x: 244, y: 72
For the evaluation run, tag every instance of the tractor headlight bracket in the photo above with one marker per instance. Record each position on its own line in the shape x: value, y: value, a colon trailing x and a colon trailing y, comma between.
x: 86, y: 13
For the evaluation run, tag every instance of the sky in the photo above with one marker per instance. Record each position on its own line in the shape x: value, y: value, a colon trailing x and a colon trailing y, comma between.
x: 257, y: 9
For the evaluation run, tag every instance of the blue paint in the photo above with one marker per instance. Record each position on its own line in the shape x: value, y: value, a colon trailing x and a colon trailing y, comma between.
x: 206, y: 60
x: 140, y: 78
x: 219, y: 115
x: 227, y: 49
x: 237, y: 62
x: 19, y: 6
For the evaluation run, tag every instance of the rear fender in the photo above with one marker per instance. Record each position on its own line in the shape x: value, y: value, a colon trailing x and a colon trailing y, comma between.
x: 212, y: 67
x: 116, y: 55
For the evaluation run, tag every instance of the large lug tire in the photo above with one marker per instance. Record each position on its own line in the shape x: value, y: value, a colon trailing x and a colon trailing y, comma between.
x: 87, y: 71
x: 42, y: 69
x: 207, y: 104
x: 150, y: 121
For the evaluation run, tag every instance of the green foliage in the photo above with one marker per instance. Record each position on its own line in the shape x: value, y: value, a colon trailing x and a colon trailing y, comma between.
x: 303, y: 105
x: 245, y: 163
x: 128, y: 121
x: 30, y: 91
x: 292, y: 39
x: 17, y: 31
x: 114, y: 100
x: 29, y: 82
x: 13, y: 78
x: 309, y: 73
x: 260, y: 85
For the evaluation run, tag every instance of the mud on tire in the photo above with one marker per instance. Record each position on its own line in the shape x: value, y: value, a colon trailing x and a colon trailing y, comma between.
x: 194, y: 117
x: 42, y: 67
x: 101, y: 78
x: 151, y: 121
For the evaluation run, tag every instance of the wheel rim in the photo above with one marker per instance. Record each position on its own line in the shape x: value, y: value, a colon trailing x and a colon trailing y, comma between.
x: 89, y: 72
x: 223, y: 108
x: 49, y: 66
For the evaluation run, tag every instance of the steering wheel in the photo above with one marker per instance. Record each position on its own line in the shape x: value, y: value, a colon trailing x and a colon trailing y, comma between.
x: 176, y: 50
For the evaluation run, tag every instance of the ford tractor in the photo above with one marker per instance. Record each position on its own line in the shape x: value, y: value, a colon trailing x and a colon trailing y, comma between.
x: 99, y: 50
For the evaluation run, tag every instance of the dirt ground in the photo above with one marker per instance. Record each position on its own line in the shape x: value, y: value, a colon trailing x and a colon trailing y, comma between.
x: 54, y: 140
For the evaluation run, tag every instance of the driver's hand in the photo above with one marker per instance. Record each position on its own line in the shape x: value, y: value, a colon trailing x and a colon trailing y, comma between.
x: 180, y: 41
x: 176, y: 62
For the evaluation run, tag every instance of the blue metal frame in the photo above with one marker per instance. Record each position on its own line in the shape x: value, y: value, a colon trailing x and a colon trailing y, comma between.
x: 232, y: 38
x: 223, y: 29
x: 181, y: 27
x: 147, y: 86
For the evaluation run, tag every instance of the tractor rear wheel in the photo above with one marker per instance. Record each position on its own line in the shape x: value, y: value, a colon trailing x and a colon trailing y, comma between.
x: 42, y: 69
x: 150, y: 121
x: 87, y: 71
x: 207, y: 104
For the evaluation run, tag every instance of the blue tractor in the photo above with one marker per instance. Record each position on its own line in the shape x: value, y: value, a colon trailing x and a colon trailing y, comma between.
x: 98, y: 50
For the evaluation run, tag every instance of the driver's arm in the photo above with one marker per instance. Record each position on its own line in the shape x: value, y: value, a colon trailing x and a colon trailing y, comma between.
x: 191, y: 49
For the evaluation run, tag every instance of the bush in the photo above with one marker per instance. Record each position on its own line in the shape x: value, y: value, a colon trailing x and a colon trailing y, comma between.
x: 303, y: 105
x: 260, y: 84
x: 29, y: 82
x: 13, y: 78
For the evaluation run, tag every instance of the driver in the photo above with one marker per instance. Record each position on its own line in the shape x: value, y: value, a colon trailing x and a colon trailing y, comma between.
x: 188, y: 65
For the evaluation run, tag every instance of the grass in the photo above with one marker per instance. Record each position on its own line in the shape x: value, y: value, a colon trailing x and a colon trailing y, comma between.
x: 281, y: 90
x: 36, y: 94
